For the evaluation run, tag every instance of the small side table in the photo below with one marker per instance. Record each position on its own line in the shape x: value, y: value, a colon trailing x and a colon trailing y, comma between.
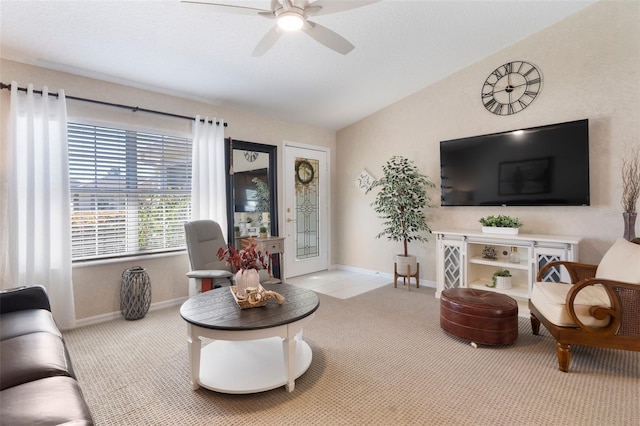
x: 273, y: 245
x: 405, y: 277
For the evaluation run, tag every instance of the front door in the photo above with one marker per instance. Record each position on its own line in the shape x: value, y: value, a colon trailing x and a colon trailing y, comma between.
x: 306, y: 180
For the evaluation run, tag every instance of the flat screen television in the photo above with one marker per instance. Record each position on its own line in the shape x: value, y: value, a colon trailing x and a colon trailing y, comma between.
x: 539, y: 166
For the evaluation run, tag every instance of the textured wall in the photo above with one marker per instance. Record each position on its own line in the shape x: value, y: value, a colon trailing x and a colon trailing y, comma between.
x: 590, y: 64
x: 96, y: 287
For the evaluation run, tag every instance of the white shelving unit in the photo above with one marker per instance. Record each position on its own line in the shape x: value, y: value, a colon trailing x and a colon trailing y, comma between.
x: 460, y: 261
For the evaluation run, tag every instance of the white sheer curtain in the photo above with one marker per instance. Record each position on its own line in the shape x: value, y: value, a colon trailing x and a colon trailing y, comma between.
x: 38, y: 243
x: 208, y: 191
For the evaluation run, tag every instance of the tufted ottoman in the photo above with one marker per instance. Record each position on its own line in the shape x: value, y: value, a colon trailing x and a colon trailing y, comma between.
x: 480, y: 316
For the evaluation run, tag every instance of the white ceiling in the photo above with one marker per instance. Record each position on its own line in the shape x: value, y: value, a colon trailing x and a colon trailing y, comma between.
x: 197, y: 52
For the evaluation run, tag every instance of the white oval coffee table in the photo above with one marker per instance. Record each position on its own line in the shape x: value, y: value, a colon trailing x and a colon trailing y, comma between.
x: 253, y: 350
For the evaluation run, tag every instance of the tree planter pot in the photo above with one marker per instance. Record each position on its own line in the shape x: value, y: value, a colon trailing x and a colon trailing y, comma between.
x: 499, y: 230
x: 403, y: 263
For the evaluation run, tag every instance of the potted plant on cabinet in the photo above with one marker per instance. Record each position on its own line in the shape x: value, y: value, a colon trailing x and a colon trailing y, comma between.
x: 500, y: 224
x: 400, y: 202
x: 501, y: 279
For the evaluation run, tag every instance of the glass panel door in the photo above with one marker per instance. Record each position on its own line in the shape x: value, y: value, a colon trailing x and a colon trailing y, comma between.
x: 306, y: 181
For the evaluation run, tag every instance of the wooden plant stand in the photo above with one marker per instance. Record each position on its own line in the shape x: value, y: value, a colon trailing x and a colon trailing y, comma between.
x: 405, y: 277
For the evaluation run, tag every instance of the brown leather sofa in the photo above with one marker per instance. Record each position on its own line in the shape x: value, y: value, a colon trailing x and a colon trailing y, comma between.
x: 37, y: 382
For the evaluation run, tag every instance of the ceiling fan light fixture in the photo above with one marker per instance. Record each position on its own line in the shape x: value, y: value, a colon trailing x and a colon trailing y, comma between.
x: 290, y: 21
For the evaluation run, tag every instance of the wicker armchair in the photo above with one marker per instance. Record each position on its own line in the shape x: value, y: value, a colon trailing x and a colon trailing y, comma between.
x: 601, y: 306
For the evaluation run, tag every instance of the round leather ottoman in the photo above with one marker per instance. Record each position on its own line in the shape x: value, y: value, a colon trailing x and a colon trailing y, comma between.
x: 480, y: 316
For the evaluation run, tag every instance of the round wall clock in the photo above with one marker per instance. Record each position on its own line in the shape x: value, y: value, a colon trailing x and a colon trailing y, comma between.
x: 250, y: 156
x: 304, y: 172
x: 511, y: 87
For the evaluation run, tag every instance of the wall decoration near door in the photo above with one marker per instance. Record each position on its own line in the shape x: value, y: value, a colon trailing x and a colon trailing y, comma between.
x: 306, y: 205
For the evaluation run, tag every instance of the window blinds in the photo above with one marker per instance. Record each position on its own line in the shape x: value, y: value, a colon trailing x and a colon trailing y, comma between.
x: 130, y: 191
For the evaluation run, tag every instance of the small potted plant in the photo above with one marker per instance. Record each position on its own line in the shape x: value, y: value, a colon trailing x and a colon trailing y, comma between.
x: 236, y: 231
x: 263, y: 232
x: 400, y: 202
x: 500, y: 224
x: 501, y: 279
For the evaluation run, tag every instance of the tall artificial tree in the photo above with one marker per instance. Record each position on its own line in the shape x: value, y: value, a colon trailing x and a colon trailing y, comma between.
x: 401, y: 201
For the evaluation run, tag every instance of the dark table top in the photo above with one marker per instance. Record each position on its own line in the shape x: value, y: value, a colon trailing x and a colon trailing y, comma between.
x: 217, y: 309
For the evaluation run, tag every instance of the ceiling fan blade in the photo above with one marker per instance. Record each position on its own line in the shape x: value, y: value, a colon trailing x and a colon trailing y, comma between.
x: 242, y: 10
x: 329, y: 38
x: 267, y: 41
x: 325, y: 7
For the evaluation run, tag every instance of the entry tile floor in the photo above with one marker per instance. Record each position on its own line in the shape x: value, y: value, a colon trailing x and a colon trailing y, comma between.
x: 340, y: 283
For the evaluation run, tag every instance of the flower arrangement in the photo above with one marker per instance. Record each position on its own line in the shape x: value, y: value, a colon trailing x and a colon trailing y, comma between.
x: 631, y: 180
x: 247, y: 258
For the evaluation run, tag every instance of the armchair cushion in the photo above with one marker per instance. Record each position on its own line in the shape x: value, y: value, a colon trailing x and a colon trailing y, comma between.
x: 551, y: 301
x: 621, y: 262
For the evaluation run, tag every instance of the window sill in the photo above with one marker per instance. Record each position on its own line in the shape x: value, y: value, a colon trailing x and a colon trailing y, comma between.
x: 127, y: 259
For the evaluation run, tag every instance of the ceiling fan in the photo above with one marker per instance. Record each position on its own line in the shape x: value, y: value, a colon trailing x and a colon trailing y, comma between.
x: 292, y: 15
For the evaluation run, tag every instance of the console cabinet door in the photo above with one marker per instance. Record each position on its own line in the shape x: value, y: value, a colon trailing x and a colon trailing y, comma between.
x: 451, y: 265
x: 544, y: 255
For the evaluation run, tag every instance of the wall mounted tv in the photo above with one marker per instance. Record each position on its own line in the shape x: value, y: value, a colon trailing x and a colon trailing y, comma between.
x: 539, y: 166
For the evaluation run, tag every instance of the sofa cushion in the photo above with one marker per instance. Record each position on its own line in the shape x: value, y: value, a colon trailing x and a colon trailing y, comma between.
x: 621, y: 262
x: 19, y: 323
x: 550, y: 299
x: 49, y: 401
x: 31, y: 357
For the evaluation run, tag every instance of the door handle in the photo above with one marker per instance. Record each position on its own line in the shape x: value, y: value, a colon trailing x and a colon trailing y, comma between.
x: 289, y: 220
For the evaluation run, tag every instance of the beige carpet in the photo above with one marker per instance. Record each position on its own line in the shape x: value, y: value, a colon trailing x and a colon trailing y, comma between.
x: 379, y: 358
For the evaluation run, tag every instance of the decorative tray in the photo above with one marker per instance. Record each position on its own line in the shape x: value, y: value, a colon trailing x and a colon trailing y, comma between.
x: 255, y: 297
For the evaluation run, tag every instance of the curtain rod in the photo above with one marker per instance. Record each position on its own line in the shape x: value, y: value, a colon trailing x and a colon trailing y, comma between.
x: 132, y: 108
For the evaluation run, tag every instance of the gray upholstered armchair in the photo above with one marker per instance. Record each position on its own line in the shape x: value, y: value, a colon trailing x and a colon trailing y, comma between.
x: 204, y: 238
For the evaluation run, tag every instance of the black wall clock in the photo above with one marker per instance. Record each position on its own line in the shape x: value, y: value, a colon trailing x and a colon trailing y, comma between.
x: 511, y: 88
x: 250, y: 156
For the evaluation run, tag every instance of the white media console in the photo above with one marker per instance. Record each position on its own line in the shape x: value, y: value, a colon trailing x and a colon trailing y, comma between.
x: 460, y: 261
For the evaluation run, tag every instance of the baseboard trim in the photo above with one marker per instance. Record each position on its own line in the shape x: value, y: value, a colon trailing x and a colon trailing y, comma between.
x: 115, y: 315
x: 426, y: 283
